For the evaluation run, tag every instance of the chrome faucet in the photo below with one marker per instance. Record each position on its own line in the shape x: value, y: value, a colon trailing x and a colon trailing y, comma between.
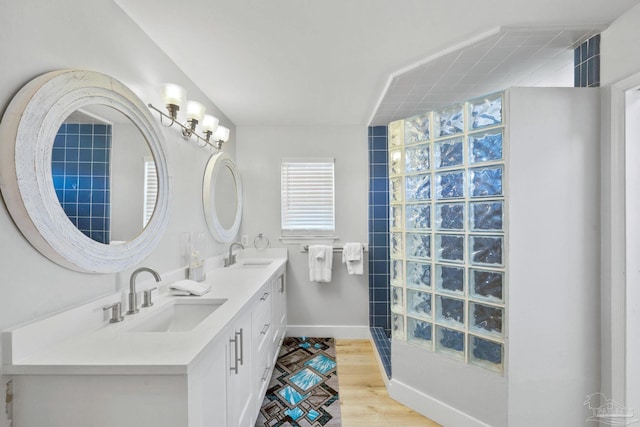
x: 232, y: 258
x: 133, y: 296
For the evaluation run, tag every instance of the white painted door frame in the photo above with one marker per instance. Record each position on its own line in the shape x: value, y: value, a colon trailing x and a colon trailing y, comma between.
x: 620, y: 189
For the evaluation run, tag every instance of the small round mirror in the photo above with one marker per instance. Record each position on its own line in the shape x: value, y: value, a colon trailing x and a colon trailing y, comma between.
x: 222, y: 197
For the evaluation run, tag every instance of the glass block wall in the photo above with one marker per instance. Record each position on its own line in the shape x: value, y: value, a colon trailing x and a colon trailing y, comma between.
x: 586, y: 63
x: 379, y: 306
x: 447, y: 231
x: 81, y: 177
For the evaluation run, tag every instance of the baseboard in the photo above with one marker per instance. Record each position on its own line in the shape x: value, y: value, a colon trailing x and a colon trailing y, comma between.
x: 430, y: 407
x: 334, y: 331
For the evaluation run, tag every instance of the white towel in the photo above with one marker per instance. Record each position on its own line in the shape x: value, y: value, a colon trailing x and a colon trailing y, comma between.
x: 189, y: 287
x: 353, y: 257
x: 320, y: 261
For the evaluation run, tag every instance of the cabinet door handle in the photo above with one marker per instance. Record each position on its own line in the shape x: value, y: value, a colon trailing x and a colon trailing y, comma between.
x: 241, y: 346
x: 265, y: 296
x: 265, y: 375
x: 234, y: 340
x: 265, y: 329
x: 281, y: 284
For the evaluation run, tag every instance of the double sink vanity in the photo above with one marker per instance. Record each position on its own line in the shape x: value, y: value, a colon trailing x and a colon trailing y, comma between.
x: 180, y: 361
x: 185, y: 361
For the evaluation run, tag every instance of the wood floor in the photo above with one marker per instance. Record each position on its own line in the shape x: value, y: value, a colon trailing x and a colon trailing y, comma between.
x: 364, y: 401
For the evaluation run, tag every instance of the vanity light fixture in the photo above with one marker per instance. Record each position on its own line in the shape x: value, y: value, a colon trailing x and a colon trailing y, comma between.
x: 174, y: 98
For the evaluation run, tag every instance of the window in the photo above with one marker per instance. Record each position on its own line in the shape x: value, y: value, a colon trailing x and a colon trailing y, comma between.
x: 150, y: 190
x: 307, y: 197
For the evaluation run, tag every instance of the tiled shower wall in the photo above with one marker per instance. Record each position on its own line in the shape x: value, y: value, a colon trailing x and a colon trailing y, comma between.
x: 379, y: 304
x: 81, y: 177
x: 586, y: 61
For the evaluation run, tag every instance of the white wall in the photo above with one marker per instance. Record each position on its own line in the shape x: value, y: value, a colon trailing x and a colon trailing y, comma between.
x: 621, y: 71
x: 36, y: 37
x: 344, y: 301
x: 632, y: 169
x: 128, y: 153
x: 619, y: 47
x: 554, y: 255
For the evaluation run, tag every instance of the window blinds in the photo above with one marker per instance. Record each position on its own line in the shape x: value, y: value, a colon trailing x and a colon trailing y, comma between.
x: 150, y: 190
x: 307, y: 196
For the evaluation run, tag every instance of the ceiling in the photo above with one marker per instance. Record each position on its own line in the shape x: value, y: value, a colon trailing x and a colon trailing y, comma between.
x: 359, y: 62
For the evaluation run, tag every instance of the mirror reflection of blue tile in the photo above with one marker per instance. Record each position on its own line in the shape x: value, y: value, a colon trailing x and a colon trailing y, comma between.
x: 486, y: 284
x: 419, y: 330
x: 485, y: 350
x: 450, y: 339
x: 485, y: 182
x: 485, y: 112
x: 418, y: 245
x: 416, y: 129
x: 487, y: 319
x: 450, y: 216
x: 450, y: 121
x: 450, y: 310
x: 419, y: 303
x: 416, y: 159
x: 418, y: 275
x: 485, y: 147
x: 450, y: 185
x: 418, y: 217
x: 450, y: 247
x: 486, y: 249
x: 448, y: 153
x: 418, y: 187
x: 450, y: 279
x: 486, y: 215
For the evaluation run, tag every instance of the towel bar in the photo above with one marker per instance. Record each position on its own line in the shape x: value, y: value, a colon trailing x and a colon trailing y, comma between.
x: 305, y: 248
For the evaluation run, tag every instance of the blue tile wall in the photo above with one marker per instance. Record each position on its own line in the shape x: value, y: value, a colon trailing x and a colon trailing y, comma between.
x: 81, y: 176
x: 586, y: 62
x: 379, y: 298
x: 383, y: 345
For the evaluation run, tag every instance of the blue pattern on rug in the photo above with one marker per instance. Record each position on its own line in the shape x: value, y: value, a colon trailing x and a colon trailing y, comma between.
x: 303, y: 391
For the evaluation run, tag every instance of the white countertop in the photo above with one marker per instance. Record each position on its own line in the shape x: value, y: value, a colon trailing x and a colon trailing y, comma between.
x: 113, y: 349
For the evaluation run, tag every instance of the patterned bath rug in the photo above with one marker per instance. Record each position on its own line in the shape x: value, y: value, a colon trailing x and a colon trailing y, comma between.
x: 303, y: 391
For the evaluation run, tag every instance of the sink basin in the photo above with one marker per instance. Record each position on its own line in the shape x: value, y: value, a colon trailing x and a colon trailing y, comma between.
x: 179, y: 316
x: 254, y: 264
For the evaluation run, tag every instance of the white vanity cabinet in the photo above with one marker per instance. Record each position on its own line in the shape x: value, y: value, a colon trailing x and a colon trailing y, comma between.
x: 279, y: 306
x: 240, y: 391
x: 262, y: 343
x: 215, y: 375
x: 230, y: 385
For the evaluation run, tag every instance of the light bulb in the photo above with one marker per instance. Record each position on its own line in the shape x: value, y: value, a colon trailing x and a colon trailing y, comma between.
x: 209, y: 123
x: 221, y: 134
x: 173, y: 94
x: 195, y: 111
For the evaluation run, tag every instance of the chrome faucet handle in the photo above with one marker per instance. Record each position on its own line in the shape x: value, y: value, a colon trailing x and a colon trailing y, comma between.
x: 146, y: 297
x: 116, y: 312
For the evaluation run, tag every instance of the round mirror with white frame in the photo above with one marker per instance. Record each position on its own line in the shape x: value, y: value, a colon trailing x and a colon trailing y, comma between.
x: 31, y: 123
x: 222, y: 197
